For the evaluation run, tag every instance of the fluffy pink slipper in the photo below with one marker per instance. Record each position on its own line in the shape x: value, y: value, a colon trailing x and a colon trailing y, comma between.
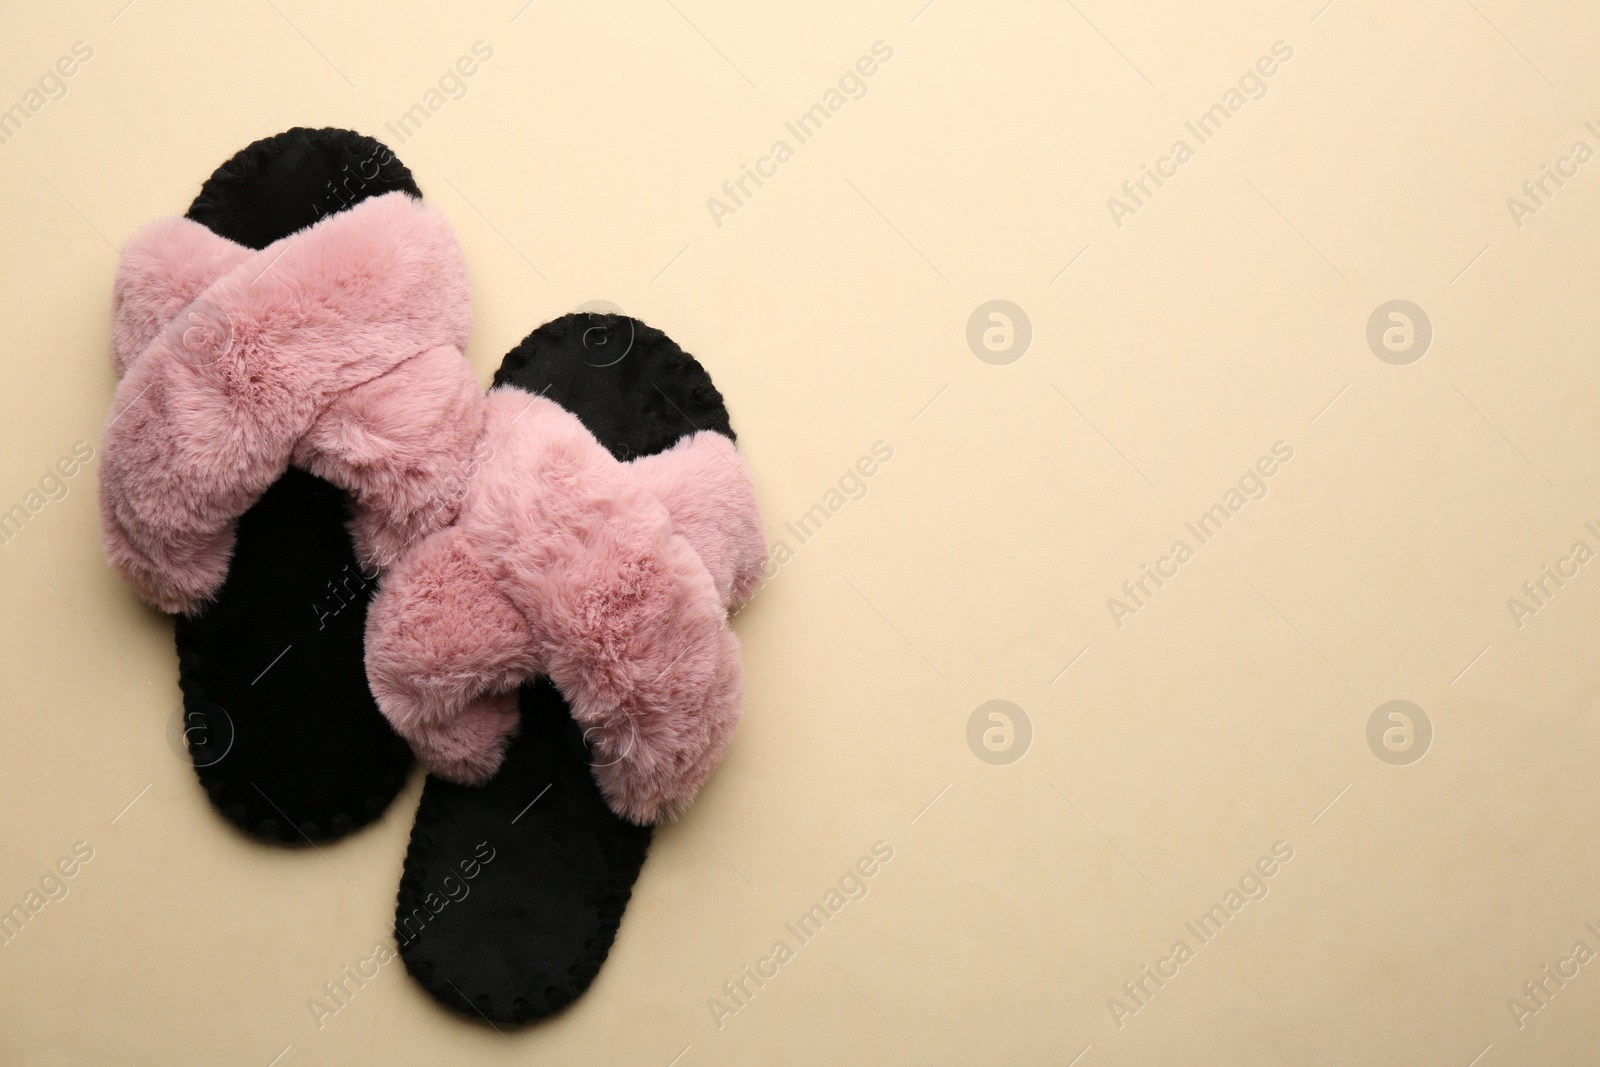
x: 614, y: 579
x: 336, y: 349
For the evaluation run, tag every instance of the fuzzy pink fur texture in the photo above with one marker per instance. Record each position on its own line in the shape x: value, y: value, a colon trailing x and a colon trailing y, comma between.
x: 706, y: 487
x: 337, y: 349
x: 614, y: 579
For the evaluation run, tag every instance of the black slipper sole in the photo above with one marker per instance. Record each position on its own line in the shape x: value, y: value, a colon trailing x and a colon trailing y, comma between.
x: 513, y: 891
x: 285, y: 735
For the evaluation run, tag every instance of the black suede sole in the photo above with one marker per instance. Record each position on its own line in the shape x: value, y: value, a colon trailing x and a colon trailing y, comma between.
x: 629, y: 383
x: 285, y: 735
x: 513, y: 891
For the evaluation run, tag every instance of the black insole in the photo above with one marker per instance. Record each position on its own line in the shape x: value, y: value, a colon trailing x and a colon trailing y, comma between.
x: 527, y: 933
x: 298, y: 749
x: 285, y: 735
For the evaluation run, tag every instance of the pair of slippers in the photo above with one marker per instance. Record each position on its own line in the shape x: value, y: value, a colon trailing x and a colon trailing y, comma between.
x: 369, y: 559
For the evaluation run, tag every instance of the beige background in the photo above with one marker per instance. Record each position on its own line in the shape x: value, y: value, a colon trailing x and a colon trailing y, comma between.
x: 1228, y: 714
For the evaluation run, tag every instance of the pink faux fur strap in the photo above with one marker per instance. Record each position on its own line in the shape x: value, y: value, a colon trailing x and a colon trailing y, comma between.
x: 337, y: 348
x: 614, y: 579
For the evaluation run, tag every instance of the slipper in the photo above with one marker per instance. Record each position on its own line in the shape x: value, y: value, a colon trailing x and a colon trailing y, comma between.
x: 573, y: 767
x: 293, y: 413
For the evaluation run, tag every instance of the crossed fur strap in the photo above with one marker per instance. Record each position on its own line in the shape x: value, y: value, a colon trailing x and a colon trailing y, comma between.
x: 337, y: 349
x: 613, y: 579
